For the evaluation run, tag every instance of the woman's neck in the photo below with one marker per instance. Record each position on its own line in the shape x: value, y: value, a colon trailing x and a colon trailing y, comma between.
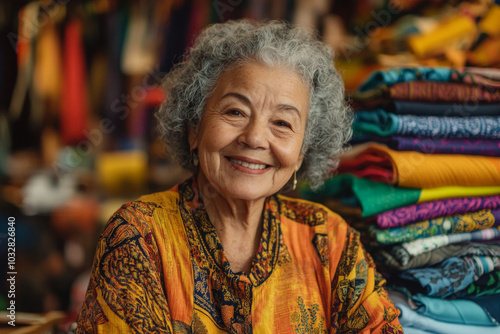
x: 238, y: 224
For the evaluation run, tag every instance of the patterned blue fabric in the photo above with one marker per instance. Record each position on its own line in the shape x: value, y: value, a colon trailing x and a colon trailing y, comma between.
x: 449, y: 127
x: 452, y: 275
x: 392, y: 76
x: 382, y: 123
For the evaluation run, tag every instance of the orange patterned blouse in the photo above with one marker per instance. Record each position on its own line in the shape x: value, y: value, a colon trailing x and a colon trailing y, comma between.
x: 160, y: 268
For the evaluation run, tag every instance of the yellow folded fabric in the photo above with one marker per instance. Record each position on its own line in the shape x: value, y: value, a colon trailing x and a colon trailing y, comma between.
x: 489, y: 24
x: 419, y: 170
x: 450, y: 34
x: 432, y: 194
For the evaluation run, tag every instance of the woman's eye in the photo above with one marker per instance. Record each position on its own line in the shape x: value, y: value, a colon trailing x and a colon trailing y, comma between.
x: 235, y: 112
x: 283, y: 124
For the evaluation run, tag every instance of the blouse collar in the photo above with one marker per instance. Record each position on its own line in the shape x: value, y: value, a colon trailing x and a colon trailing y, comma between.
x: 203, y: 236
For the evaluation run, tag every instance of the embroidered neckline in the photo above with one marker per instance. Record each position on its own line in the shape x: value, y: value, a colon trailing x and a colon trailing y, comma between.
x: 206, y: 245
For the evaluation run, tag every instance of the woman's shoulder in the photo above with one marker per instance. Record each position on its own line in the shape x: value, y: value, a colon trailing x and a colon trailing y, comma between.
x: 137, y: 217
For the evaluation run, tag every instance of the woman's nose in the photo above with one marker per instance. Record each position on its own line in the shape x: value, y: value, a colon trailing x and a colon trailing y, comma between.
x: 254, y: 135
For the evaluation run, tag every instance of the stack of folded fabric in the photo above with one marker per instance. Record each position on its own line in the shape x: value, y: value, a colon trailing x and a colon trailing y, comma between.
x: 422, y: 183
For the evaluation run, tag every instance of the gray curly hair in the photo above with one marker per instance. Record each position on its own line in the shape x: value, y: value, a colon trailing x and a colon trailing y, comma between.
x: 222, y: 47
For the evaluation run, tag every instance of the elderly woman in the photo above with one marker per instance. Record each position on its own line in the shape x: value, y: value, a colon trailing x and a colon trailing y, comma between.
x: 251, y: 109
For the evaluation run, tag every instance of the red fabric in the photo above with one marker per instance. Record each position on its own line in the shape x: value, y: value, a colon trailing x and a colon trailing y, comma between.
x: 74, y: 102
x: 369, y: 165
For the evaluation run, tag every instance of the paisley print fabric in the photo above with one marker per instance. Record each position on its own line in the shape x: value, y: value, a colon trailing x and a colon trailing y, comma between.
x: 452, y: 275
x: 467, y: 222
x: 445, y: 207
x: 449, y: 127
x: 398, y: 258
x: 382, y: 123
x: 161, y: 268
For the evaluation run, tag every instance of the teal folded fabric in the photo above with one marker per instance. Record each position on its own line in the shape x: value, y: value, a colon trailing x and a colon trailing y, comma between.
x: 457, y: 311
x: 385, y: 124
x: 409, y: 318
x: 374, y: 197
x: 392, y: 76
x: 375, y: 121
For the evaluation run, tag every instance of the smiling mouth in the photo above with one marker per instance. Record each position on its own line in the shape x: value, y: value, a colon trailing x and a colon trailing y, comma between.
x: 248, y: 165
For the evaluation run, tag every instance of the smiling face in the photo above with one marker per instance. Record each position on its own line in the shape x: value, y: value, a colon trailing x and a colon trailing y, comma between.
x: 250, y: 137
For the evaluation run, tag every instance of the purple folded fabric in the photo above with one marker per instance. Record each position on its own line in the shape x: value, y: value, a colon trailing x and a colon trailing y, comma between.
x: 487, y: 147
x: 429, y: 210
x: 449, y: 146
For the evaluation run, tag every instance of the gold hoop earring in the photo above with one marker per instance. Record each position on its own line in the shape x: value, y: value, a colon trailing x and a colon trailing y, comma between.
x: 294, y: 180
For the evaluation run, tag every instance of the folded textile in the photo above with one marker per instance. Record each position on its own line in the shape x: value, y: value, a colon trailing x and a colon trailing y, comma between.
x: 413, y: 330
x: 409, y: 318
x: 443, y: 92
x: 456, y: 110
x: 419, y: 170
x: 392, y: 76
x: 449, y: 33
x: 428, y: 210
x: 488, y: 284
x: 382, y: 123
x: 376, y: 197
x: 424, y: 245
x: 467, y: 222
x: 487, y: 147
x: 451, y: 275
x: 488, y: 302
x: 457, y: 311
x: 486, y: 77
x: 428, y: 98
x: 398, y: 257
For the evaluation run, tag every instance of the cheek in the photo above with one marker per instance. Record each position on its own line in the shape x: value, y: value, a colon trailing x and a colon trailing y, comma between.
x: 288, y: 154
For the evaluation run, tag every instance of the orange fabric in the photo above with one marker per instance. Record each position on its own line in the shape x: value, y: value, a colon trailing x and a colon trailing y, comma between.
x: 419, y: 170
x: 160, y: 268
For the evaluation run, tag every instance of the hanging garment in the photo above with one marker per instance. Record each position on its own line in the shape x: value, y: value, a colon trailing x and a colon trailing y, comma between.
x: 74, y: 103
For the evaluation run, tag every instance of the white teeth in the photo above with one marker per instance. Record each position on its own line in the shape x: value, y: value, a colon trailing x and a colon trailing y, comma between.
x: 248, y: 165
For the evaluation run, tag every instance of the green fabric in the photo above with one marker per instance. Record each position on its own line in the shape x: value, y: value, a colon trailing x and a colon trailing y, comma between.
x: 374, y: 197
x: 489, y: 284
x: 376, y: 122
